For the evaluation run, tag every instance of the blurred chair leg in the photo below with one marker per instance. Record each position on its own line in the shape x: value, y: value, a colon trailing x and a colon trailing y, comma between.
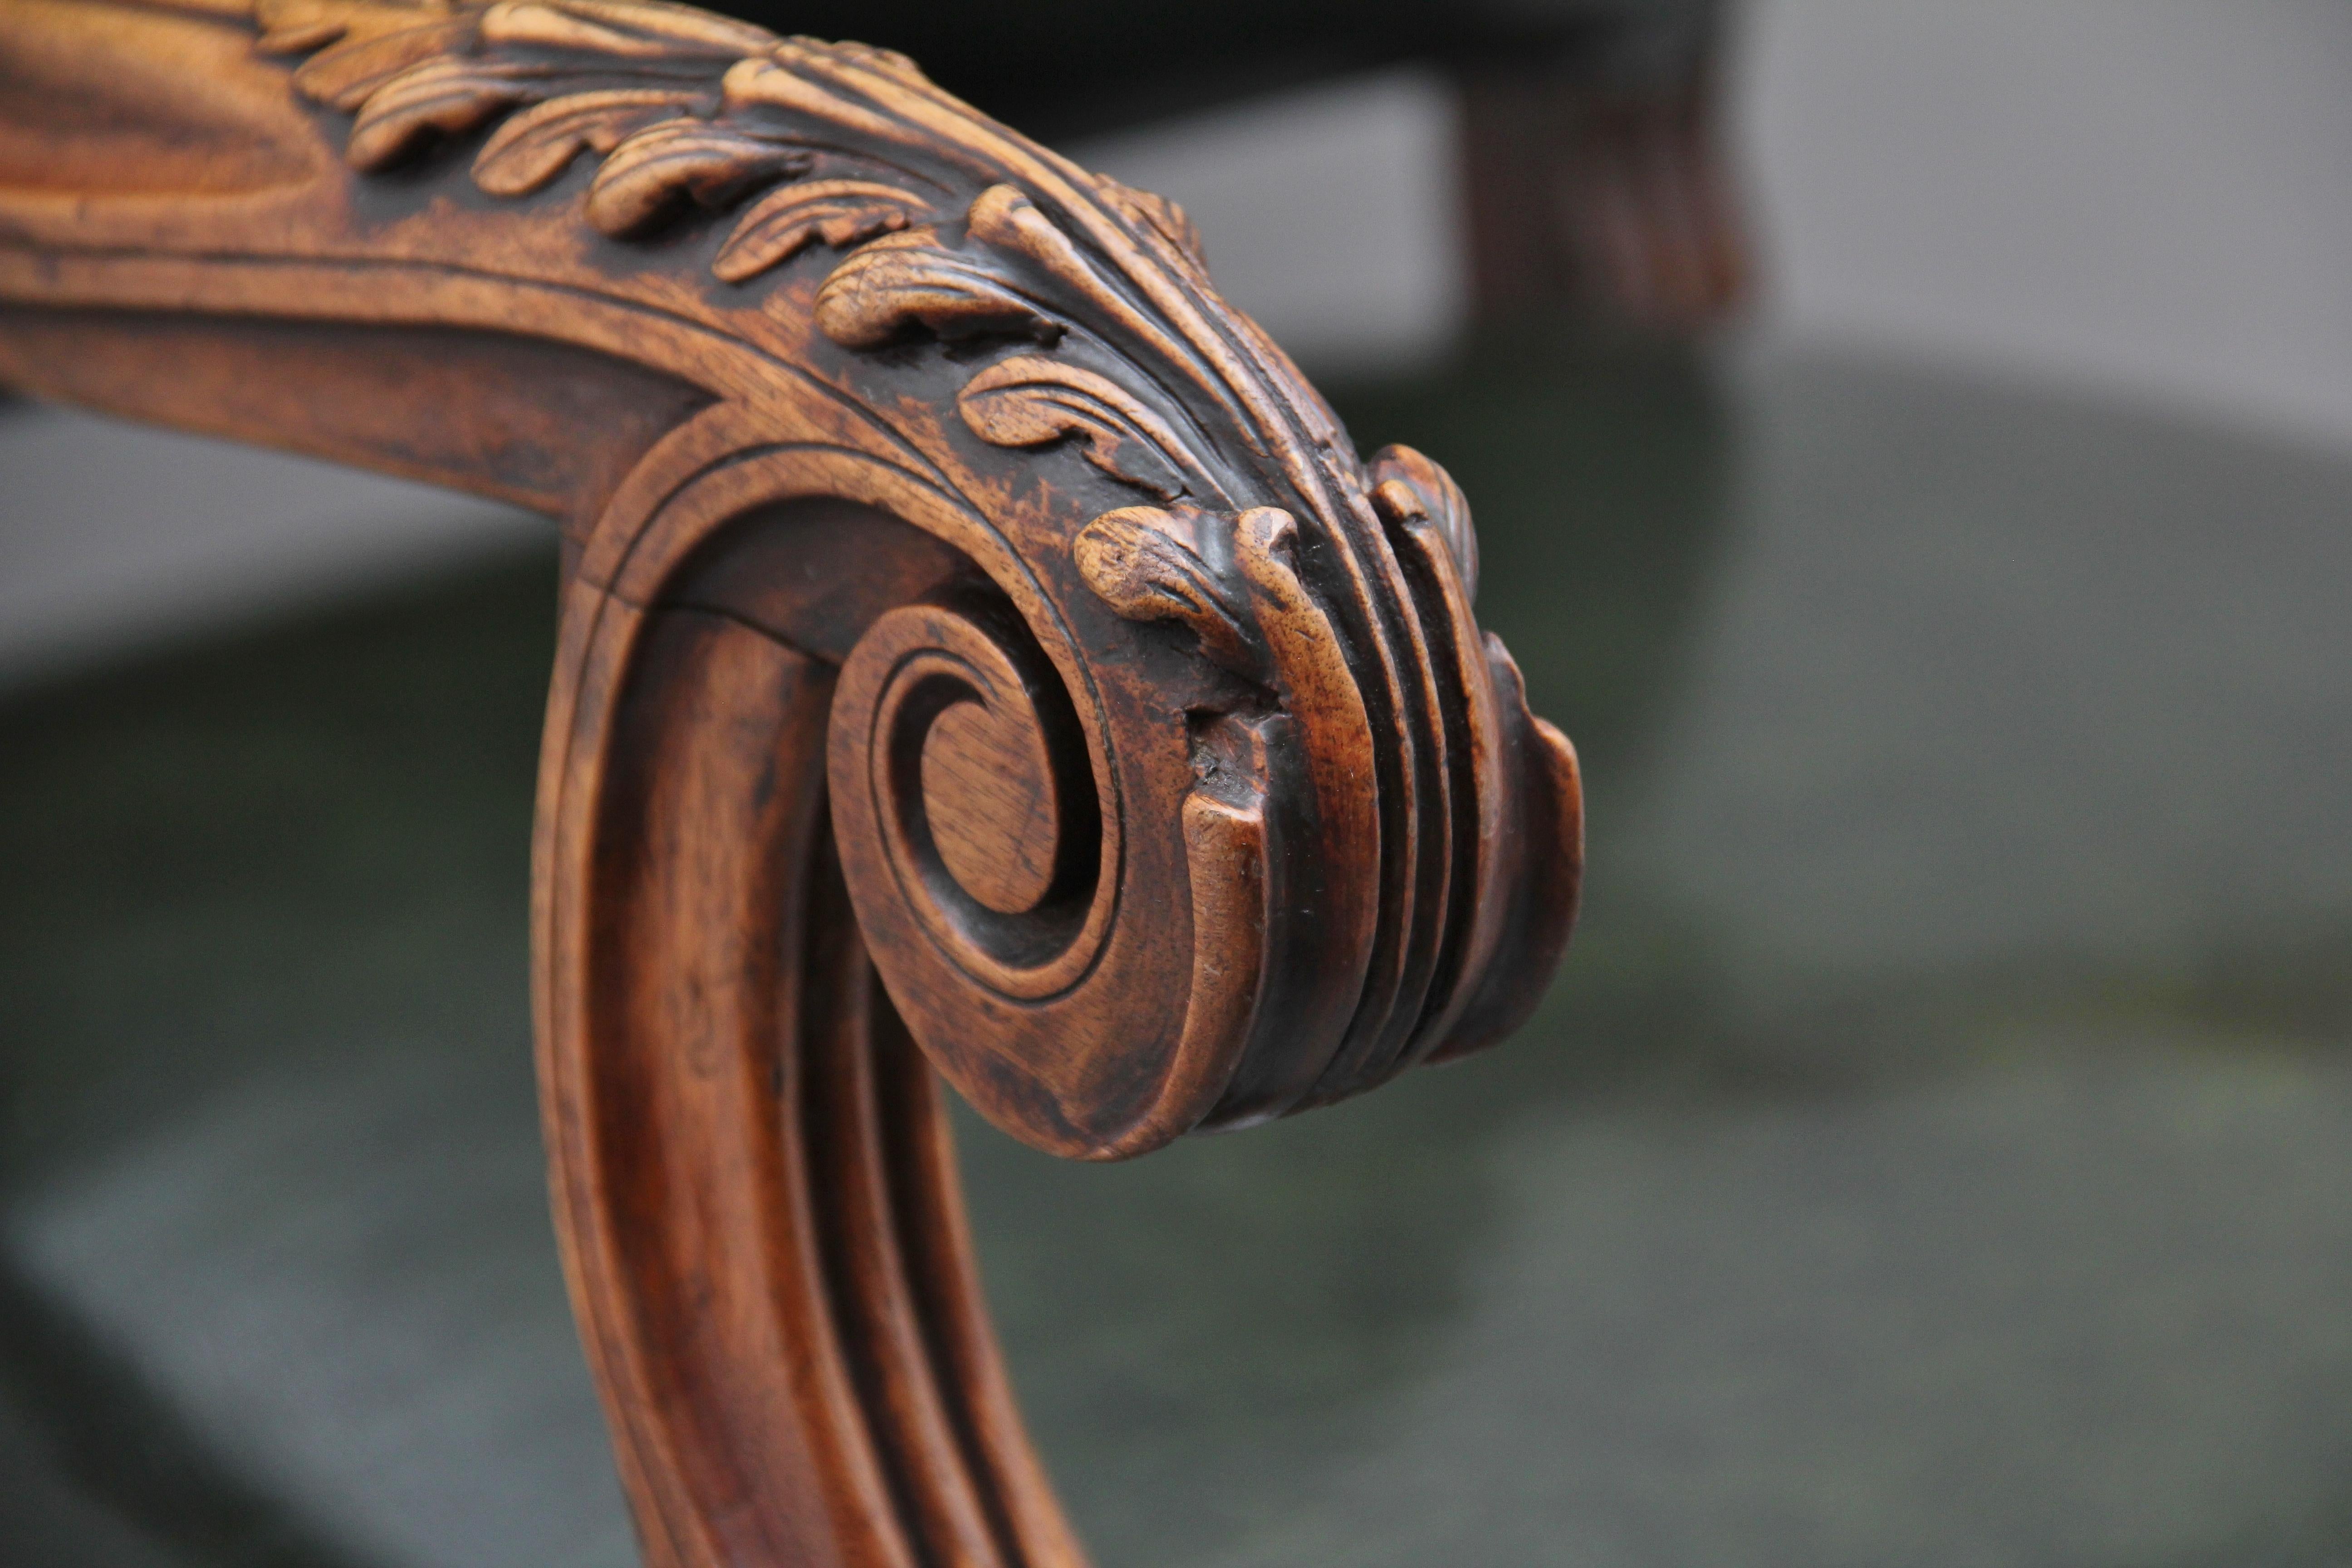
x: 1605, y: 200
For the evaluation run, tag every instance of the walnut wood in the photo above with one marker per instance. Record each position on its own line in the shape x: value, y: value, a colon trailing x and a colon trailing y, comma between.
x: 979, y: 646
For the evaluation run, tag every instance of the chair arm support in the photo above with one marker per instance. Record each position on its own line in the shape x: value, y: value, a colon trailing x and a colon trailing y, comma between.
x: 979, y: 646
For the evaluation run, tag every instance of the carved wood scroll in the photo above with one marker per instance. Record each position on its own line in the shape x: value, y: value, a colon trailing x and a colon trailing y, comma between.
x: 979, y: 646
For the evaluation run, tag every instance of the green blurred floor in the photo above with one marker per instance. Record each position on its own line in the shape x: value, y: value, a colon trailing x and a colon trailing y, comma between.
x: 1939, y: 1150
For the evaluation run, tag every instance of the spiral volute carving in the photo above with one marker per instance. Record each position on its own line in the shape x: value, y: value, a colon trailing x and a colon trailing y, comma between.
x: 1038, y: 872
x: 1193, y: 795
x: 978, y: 650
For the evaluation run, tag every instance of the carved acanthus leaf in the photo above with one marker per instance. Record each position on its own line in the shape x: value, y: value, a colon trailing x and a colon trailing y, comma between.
x: 684, y: 108
x: 1029, y: 401
x: 447, y: 96
x: 867, y: 56
x: 1145, y: 563
x: 841, y: 213
x: 344, y: 76
x: 666, y: 163
x: 681, y: 105
x: 794, y: 77
x: 646, y: 30
x: 298, y: 27
x: 622, y: 32
x: 537, y: 145
x: 910, y: 279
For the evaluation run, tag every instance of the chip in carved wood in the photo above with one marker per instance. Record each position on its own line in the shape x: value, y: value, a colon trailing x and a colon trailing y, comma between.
x: 977, y: 640
x: 1407, y: 814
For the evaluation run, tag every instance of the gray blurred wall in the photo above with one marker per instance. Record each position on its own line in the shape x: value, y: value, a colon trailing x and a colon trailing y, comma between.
x: 2147, y: 197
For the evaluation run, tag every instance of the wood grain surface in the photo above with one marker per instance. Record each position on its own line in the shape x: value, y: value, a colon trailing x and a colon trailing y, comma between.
x: 979, y: 647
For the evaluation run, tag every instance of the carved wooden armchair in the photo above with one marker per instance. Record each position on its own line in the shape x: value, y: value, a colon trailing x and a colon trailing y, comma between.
x: 979, y: 651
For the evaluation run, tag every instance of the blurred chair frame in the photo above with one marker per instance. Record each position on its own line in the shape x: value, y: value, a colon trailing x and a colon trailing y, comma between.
x: 979, y: 649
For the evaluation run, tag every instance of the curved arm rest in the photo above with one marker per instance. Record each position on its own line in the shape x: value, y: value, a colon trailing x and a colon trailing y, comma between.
x: 978, y: 646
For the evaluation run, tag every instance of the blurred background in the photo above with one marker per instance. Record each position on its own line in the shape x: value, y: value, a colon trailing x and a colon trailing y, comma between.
x: 1912, y: 452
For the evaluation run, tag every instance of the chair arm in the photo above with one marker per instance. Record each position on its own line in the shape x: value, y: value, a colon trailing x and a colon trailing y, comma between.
x: 979, y: 646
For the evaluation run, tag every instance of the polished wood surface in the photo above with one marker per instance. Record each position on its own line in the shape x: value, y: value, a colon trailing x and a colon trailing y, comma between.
x: 979, y: 647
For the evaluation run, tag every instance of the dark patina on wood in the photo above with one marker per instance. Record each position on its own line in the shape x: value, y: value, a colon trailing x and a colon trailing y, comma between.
x: 980, y: 647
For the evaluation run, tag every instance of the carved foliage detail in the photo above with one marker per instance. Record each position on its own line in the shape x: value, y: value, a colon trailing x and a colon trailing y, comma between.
x: 1389, y: 883
x: 1407, y: 487
x: 1148, y: 564
x: 1158, y: 215
x: 1029, y: 401
x: 913, y: 279
x: 841, y: 213
x: 682, y: 107
x: 537, y: 145
x: 685, y: 109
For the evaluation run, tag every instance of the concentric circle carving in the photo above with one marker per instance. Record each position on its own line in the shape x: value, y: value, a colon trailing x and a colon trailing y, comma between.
x: 953, y: 738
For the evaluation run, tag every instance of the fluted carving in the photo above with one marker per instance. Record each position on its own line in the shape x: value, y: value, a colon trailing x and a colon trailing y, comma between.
x: 1400, y: 827
x: 955, y: 584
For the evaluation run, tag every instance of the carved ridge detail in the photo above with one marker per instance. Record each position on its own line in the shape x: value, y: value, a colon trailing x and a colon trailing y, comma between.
x: 841, y: 213
x: 888, y: 717
x: 669, y: 101
x: 1385, y: 729
x: 1147, y: 565
x: 1370, y: 574
x: 685, y: 109
x: 1028, y: 402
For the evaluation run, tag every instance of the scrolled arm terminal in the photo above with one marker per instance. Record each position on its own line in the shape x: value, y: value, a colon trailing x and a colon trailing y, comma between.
x: 978, y: 646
